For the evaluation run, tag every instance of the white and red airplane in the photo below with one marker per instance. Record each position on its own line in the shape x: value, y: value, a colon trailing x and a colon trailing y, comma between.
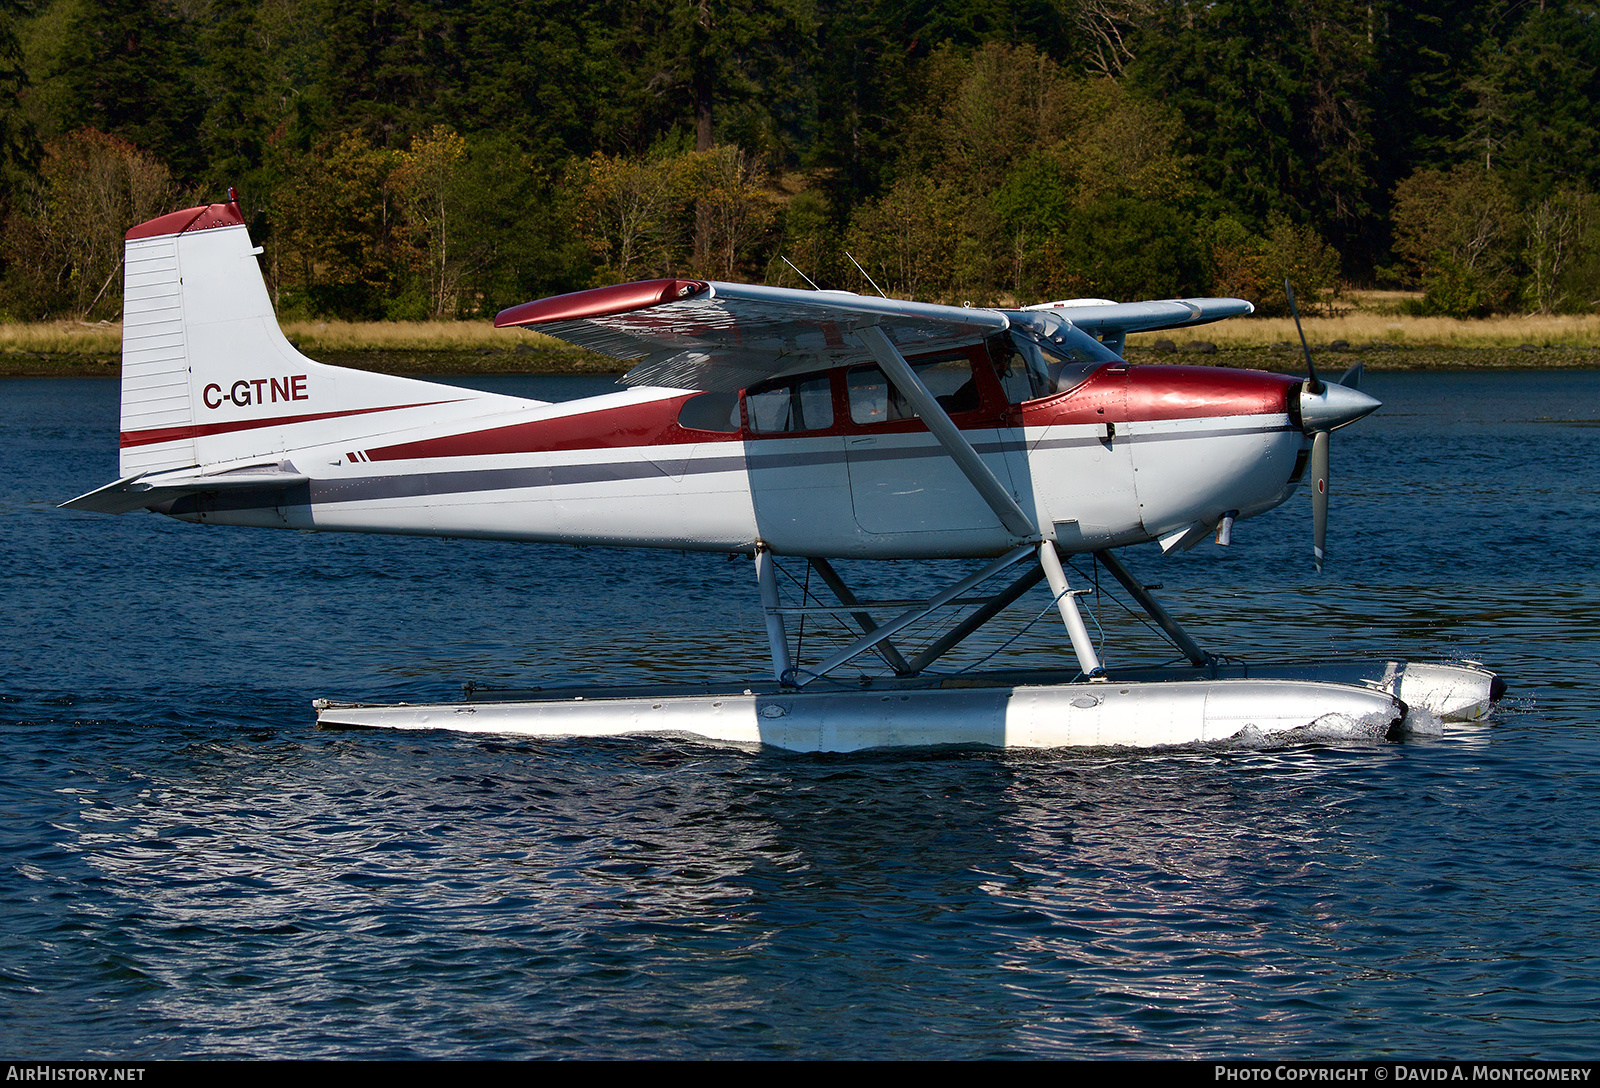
x: 773, y: 422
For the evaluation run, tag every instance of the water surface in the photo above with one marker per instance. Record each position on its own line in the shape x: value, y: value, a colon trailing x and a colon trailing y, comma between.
x: 189, y: 868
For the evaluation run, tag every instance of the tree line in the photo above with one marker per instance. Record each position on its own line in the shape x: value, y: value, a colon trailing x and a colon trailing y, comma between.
x: 445, y: 158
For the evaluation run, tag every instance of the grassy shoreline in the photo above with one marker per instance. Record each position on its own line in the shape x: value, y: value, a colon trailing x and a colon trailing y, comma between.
x: 1365, y: 327
x: 81, y: 349
x: 1382, y: 341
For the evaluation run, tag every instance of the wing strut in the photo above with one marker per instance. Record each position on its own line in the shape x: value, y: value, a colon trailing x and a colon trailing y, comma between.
x: 1017, y: 523
x: 999, y: 497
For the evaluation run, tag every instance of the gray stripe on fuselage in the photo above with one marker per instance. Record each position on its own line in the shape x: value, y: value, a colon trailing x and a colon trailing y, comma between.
x: 503, y: 479
x: 1161, y: 436
x: 464, y: 481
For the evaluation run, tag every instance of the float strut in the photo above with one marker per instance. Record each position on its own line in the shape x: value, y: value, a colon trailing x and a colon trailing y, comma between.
x: 767, y: 579
x: 885, y: 649
x: 1180, y: 638
x: 997, y: 604
x: 1067, y: 602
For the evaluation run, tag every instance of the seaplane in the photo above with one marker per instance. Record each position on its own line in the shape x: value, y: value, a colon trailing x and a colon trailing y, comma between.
x: 798, y: 427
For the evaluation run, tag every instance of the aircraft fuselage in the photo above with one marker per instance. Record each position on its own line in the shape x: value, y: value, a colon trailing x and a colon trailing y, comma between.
x: 824, y: 464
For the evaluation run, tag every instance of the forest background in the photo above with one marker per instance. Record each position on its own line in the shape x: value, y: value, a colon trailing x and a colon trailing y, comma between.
x: 402, y: 159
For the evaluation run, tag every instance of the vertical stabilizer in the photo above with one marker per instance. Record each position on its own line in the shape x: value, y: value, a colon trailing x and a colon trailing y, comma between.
x: 155, y: 362
x: 208, y: 376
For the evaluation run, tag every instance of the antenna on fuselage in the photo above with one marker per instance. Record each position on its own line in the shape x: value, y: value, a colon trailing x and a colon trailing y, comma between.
x: 864, y: 275
x: 797, y: 272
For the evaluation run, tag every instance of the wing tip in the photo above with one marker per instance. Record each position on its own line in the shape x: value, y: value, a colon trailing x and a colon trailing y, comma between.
x: 619, y: 298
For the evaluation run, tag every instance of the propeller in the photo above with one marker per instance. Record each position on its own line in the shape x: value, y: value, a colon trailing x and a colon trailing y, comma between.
x: 1320, y: 409
x: 1319, y: 496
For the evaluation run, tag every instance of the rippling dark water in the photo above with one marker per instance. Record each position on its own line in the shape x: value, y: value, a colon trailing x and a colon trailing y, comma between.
x: 189, y: 868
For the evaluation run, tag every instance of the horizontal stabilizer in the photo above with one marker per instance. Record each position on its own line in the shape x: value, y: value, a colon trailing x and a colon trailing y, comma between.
x: 142, y: 491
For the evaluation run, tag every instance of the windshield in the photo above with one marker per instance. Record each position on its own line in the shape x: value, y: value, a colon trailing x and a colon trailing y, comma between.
x: 1038, y: 362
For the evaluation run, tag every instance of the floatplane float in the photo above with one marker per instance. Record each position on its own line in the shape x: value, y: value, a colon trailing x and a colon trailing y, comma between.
x: 814, y: 426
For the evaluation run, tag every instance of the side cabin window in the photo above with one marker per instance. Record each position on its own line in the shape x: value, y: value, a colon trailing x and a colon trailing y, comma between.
x: 711, y: 412
x: 874, y: 399
x: 1030, y: 366
x: 790, y: 404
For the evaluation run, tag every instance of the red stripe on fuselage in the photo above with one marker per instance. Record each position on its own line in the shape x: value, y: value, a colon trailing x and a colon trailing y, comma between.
x: 1112, y: 394
x: 1188, y: 392
x: 201, y: 430
x: 651, y: 424
x: 1119, y: 394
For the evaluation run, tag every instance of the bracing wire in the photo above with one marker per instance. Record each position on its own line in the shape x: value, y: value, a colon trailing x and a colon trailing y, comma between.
x: 1054, y: 601
x: 805, y: 594
x: 799, y: 273
x: 807, y: 597
x: 1094, y: 610
x: 864, y: 275
x: 1102, y: 596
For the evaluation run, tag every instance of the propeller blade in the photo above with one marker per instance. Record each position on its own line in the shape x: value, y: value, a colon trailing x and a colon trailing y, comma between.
x: 1352, y: 377
x: 1319, y: 495
x: 1312, y: 382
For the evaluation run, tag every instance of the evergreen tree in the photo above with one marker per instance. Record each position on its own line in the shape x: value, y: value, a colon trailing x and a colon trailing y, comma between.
x: 1545, y: 84
x: 541, y: 74
x: 866, y: 82
x: 126, y: 68
x: 1276, y: 104
x: 964, y: 123
x: 392, y: 68
x: 19, y: 145
x: 1427, y: 59
x: 235, y: 130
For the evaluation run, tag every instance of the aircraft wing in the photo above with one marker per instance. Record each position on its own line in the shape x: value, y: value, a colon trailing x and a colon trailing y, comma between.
x: 693, y: 334
x: 697, y: 334
x: 1100, y: 317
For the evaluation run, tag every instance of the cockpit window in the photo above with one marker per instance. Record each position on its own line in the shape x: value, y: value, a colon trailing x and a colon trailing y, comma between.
x: 1032, y: 365
x: 874, y: 399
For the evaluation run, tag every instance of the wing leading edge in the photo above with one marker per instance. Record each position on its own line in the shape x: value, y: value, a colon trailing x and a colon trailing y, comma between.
x: 1120, y: 318
x: 696, y: 334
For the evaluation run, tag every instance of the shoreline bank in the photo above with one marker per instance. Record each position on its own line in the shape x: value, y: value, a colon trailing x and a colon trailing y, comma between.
x: 64, y: 364
x: 530, y: 360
